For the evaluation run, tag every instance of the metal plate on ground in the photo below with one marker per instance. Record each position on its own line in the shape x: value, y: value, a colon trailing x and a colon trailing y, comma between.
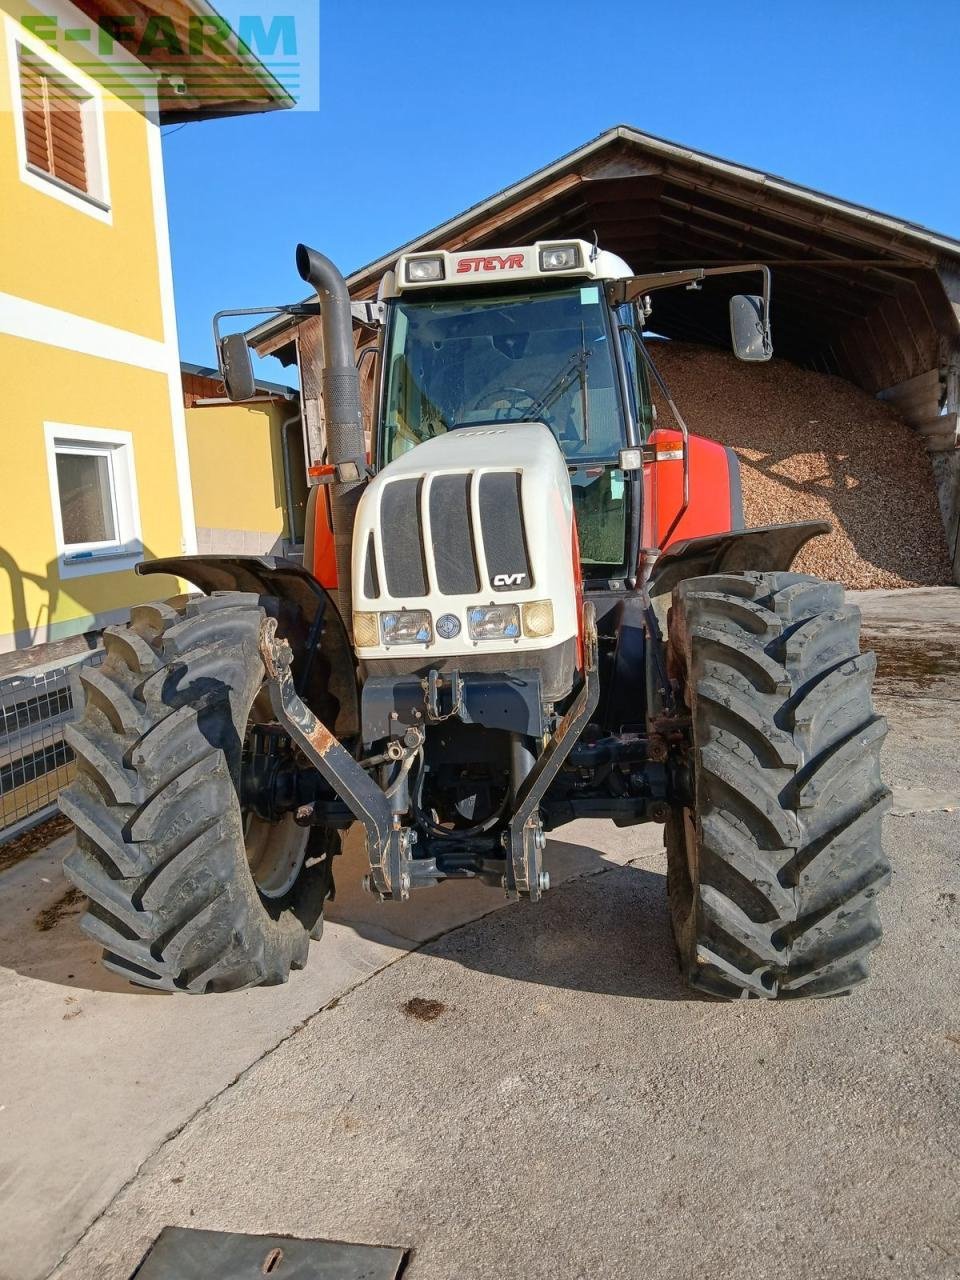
x: 182, y: 1253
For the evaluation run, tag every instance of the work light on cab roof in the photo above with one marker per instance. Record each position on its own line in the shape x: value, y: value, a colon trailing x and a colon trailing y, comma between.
x: 524, y: 262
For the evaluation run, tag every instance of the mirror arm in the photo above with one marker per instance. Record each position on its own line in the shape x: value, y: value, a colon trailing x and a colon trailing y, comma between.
x: 634, y: 287
x: 629, y: 290
x: 292, y: 309
x: 369, y: 315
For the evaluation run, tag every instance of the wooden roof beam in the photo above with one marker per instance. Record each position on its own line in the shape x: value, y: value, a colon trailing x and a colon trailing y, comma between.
x: 847, y: 228
x: 798, y: 277
x: 950, y: 280
x: 827, y: 243
x: 539, y: 225
x: 505, y: 216
x: 821, y: 249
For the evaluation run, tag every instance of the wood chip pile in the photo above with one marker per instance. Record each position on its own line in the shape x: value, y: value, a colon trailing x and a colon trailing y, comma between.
x: 815, y: 447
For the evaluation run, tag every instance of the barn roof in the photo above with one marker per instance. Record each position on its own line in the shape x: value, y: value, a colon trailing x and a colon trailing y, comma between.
x: 856, y: 292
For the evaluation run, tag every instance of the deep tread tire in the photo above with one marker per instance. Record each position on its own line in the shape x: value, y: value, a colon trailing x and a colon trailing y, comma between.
x: 775, y: 865
x: 160, y: 846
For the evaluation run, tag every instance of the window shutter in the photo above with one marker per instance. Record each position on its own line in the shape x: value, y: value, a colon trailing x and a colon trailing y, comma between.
x: 53, y: 124
x: 66, y: 133
x: 33, y: 90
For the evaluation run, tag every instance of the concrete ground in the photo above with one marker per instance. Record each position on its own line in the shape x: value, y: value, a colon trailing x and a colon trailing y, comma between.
x: 553, y: 1103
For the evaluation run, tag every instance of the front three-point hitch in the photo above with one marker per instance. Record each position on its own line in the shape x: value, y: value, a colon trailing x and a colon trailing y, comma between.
x: 394, y: 866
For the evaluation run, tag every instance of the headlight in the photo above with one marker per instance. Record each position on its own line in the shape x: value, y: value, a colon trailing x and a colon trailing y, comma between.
x: 537, y: 619
x: 410, y: 626
x: 420, y: 270
x: 494, y: 622
x: 562, y: 258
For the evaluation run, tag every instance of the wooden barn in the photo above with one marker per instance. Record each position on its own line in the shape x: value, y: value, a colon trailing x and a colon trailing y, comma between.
x: 863, y: 296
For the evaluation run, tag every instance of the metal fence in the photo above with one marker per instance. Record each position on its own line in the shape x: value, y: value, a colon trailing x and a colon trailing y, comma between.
x: 35, y: 761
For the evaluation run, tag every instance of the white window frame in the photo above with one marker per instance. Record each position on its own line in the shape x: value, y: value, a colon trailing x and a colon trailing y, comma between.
x: 96, y: 201
x: 126, y: 549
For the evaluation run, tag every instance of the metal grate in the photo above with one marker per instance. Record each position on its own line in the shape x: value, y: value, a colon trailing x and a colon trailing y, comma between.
x: 452, y: 534
x: 502, y: 530
x: 35, y: 762
x: 403, y: 538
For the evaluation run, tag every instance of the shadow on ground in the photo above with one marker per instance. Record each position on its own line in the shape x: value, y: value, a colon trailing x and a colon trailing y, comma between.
x: 604, y: 928
x: 606, y: 933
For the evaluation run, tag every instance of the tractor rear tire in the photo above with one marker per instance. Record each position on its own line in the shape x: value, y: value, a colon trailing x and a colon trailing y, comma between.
x: 774, y: 859
x: 161, y: 851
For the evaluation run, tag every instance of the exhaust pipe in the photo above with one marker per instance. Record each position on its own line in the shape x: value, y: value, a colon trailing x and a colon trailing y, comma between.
x: 343, y: 419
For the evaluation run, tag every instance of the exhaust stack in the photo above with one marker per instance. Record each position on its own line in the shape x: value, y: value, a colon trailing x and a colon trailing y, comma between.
x: 343, y: 419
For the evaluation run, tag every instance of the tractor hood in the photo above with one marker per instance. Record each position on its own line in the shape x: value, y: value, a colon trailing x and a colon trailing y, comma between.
x: 472, y: 531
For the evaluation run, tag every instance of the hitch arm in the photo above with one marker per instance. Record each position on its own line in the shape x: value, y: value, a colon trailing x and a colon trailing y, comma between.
x: 524, y: 834
x: 388, y: 845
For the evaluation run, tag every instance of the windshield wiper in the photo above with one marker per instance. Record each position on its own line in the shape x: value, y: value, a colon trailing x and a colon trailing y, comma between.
x: 584, y: 371
x: 576, y: 368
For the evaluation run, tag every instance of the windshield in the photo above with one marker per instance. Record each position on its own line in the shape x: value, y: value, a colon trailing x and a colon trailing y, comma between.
x: 527, y: 357
x: 531, y: 357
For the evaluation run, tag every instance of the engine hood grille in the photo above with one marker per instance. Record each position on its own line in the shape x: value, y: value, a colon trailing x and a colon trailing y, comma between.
x: 477, y: 516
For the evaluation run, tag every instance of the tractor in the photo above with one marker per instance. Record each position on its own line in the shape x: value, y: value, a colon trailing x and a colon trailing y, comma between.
x: 523, y: 600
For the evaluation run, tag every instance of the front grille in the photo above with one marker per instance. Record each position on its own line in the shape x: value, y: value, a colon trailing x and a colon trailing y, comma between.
x: 452, y: 535
x: 403, y: 558
x: 501, y: 522
x: 371, y: 580
x: 457, y: 547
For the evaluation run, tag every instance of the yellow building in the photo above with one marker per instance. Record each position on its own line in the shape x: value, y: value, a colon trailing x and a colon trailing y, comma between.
x: 247, y: 466
x: 95, y: 458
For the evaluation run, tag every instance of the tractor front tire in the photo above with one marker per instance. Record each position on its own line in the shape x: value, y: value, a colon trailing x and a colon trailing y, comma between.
x: 162, y: 843
x: 774, y: 859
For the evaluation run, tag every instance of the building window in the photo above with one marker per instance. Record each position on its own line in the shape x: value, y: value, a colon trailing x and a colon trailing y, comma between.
x: 93, y: 489
x: 88, y: 496
x: 62, y: 132
x: 53, y: 123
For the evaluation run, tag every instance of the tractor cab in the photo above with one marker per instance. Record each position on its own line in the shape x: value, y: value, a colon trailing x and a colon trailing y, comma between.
x: 518, y: 336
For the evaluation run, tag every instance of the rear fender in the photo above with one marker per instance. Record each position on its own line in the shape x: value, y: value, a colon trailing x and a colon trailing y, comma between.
x: 769, y: 549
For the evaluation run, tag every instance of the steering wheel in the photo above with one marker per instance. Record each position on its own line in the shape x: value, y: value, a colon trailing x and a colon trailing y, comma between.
x: 513, y: 397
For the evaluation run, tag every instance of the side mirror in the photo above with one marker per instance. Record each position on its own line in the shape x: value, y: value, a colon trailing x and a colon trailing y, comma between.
x: 750, y: 327
x: 236, y: 367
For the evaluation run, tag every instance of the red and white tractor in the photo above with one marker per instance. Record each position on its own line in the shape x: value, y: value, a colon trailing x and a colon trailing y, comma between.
x: 523, y: 601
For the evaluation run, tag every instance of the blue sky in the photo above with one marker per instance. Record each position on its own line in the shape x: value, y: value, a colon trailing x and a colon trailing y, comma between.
x: 427, y: 107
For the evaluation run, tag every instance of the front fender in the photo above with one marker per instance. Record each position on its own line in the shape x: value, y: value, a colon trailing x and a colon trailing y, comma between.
x: 333, y: 674
x: 770, y: 548
x: 264, y: 575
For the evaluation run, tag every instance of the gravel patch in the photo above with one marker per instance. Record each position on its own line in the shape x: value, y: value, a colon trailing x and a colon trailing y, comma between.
x: 815, y: 447
x: 38, y: 837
